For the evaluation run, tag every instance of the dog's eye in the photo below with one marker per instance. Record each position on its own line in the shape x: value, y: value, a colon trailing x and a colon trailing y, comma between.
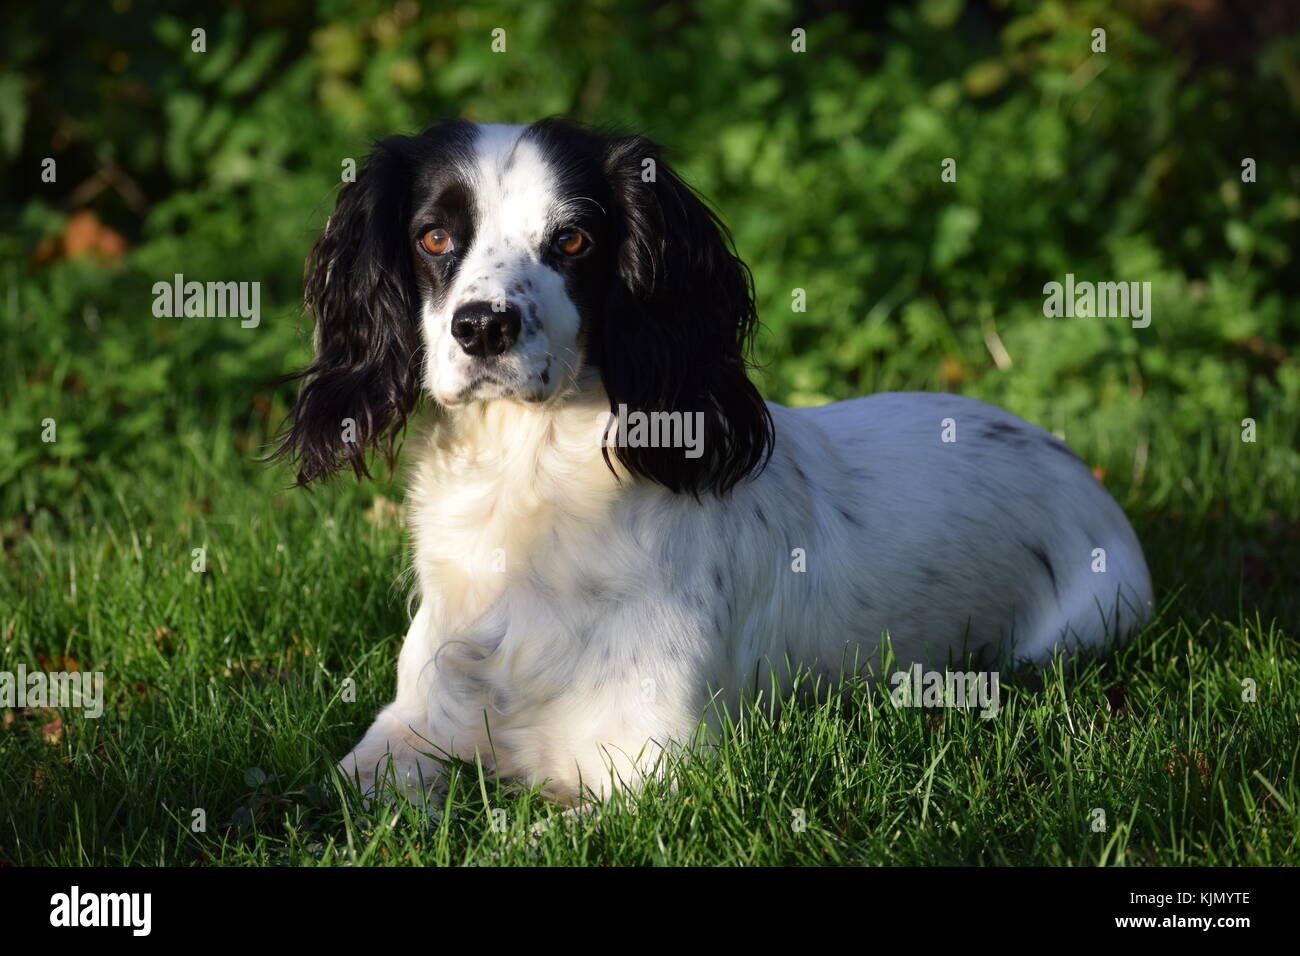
x: 571, y: 242
x: 436, y: 241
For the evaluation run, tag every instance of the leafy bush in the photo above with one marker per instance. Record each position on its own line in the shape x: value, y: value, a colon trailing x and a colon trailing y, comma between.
x: 223, y: 165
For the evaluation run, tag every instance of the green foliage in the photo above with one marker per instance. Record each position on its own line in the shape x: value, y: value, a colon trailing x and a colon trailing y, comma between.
x: 1115, y: 166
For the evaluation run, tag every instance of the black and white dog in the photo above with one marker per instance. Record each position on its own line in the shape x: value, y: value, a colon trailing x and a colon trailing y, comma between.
x: 612, y: 529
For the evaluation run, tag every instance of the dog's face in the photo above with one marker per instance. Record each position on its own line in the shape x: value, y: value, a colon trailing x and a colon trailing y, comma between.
x: 511, y: 240
x: 481, y: 263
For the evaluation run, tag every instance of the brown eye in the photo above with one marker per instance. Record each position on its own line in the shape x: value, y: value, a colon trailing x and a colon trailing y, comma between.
x: 571, y: 243
x: 436, y: 241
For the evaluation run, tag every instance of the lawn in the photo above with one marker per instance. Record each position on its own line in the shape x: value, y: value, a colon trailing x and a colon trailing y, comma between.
x: 225, y: 693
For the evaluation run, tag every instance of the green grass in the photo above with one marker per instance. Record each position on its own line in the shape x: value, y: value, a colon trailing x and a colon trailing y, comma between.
x: 223, y: 692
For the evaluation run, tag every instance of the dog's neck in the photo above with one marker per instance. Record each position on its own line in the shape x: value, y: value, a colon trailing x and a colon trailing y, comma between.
x: 493, y: 483
x: 523, y: 442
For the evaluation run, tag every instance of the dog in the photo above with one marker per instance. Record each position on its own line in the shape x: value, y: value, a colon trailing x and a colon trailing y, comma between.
x: 614, y: 535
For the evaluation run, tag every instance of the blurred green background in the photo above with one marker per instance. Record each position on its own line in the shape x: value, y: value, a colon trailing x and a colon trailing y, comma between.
x: 1123, y: 165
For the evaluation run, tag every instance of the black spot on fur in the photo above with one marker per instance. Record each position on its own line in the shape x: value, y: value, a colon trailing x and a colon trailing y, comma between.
x: 849, y: 517
x: 762, y: 518
x: 1059, y: 446
x: 1004, y: 431
x: 1045, y: 561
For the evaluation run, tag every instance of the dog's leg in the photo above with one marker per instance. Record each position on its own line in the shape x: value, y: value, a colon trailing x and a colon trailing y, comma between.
x: 394, y: 754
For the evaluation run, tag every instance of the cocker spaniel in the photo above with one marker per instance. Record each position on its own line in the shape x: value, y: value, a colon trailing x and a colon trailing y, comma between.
x: 614, y: 535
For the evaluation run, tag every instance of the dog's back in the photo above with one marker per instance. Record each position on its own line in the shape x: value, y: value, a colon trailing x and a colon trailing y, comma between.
x: 969, y: 529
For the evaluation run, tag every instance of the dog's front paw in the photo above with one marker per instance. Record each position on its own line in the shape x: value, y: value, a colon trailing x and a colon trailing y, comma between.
x: 388, y: 777
x: 394, y: 762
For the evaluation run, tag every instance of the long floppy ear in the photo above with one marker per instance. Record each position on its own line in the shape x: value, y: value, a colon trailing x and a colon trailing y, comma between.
x: 359, y: 282
x: 677, y: 322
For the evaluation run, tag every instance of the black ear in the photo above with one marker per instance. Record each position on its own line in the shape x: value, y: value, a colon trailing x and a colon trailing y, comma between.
x: 359, y: 282
x: 677, y: 322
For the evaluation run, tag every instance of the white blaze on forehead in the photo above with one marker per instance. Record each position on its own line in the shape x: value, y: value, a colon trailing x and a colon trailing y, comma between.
x: 514, y: 187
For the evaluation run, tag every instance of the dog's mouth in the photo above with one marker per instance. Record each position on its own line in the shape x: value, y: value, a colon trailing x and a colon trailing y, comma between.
x: 488, y: 384
x: 482, y: 385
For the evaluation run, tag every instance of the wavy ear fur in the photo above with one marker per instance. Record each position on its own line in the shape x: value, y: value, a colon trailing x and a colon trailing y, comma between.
x: 677, y: 321
x: 360, y: 285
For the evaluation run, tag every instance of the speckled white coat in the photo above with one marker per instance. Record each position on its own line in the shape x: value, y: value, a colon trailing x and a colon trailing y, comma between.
x: 571, y: 624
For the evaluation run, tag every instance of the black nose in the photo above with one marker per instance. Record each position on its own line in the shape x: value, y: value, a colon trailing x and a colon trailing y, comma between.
x: 482, y: 331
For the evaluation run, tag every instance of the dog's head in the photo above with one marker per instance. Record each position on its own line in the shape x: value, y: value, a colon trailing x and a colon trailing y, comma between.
x: 506, y: 263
